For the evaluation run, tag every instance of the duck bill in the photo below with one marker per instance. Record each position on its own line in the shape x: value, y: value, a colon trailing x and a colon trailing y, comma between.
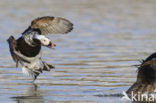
x: 51, y: 45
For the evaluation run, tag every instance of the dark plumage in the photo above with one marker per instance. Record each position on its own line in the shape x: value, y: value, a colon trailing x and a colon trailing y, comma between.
x: 26, y: 50
x: 146, y: 78
x: 23, y: 47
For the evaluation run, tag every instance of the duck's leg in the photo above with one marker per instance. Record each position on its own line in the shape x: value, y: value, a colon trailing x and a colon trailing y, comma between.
x: 34, y: 78
x: 46, y: 66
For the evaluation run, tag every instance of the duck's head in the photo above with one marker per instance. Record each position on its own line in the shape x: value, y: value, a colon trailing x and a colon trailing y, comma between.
x: 34, y: 39
x: 43, y: 40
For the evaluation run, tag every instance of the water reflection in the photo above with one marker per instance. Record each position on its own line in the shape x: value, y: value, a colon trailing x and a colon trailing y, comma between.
x: 31, y: 95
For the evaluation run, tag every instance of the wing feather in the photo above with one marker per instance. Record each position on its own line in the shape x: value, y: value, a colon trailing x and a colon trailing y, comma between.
x: 12, y: 46
x: 52, y: 25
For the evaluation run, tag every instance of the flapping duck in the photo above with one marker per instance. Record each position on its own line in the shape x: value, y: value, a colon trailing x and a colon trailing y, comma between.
x: 26, y: 50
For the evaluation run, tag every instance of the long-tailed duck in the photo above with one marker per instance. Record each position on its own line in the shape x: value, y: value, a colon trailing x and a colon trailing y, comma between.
x: 26, y: 50
x: 146, y: 77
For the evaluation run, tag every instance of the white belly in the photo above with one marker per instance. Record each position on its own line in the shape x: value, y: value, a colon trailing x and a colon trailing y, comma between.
x: 35, y: 64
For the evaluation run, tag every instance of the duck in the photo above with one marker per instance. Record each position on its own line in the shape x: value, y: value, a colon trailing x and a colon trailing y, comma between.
x: 146, y: 77
x: 26, y: 50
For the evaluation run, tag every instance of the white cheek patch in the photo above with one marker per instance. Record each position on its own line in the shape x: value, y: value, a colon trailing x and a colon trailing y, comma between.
x: 44, y: 40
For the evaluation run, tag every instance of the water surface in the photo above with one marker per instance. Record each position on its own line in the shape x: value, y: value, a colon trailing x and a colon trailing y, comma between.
x: 93, y: 62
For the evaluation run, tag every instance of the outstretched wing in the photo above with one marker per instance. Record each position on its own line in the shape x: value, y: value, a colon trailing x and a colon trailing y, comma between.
x: 52, y: 25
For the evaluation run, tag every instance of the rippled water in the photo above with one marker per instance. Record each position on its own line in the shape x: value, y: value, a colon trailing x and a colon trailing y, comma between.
x: 93, y: 62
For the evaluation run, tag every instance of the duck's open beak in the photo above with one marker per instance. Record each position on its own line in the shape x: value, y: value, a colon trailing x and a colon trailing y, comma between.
x: 51, y: 45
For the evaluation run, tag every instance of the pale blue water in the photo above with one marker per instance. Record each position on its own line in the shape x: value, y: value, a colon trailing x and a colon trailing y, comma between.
x: 93, y: 62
